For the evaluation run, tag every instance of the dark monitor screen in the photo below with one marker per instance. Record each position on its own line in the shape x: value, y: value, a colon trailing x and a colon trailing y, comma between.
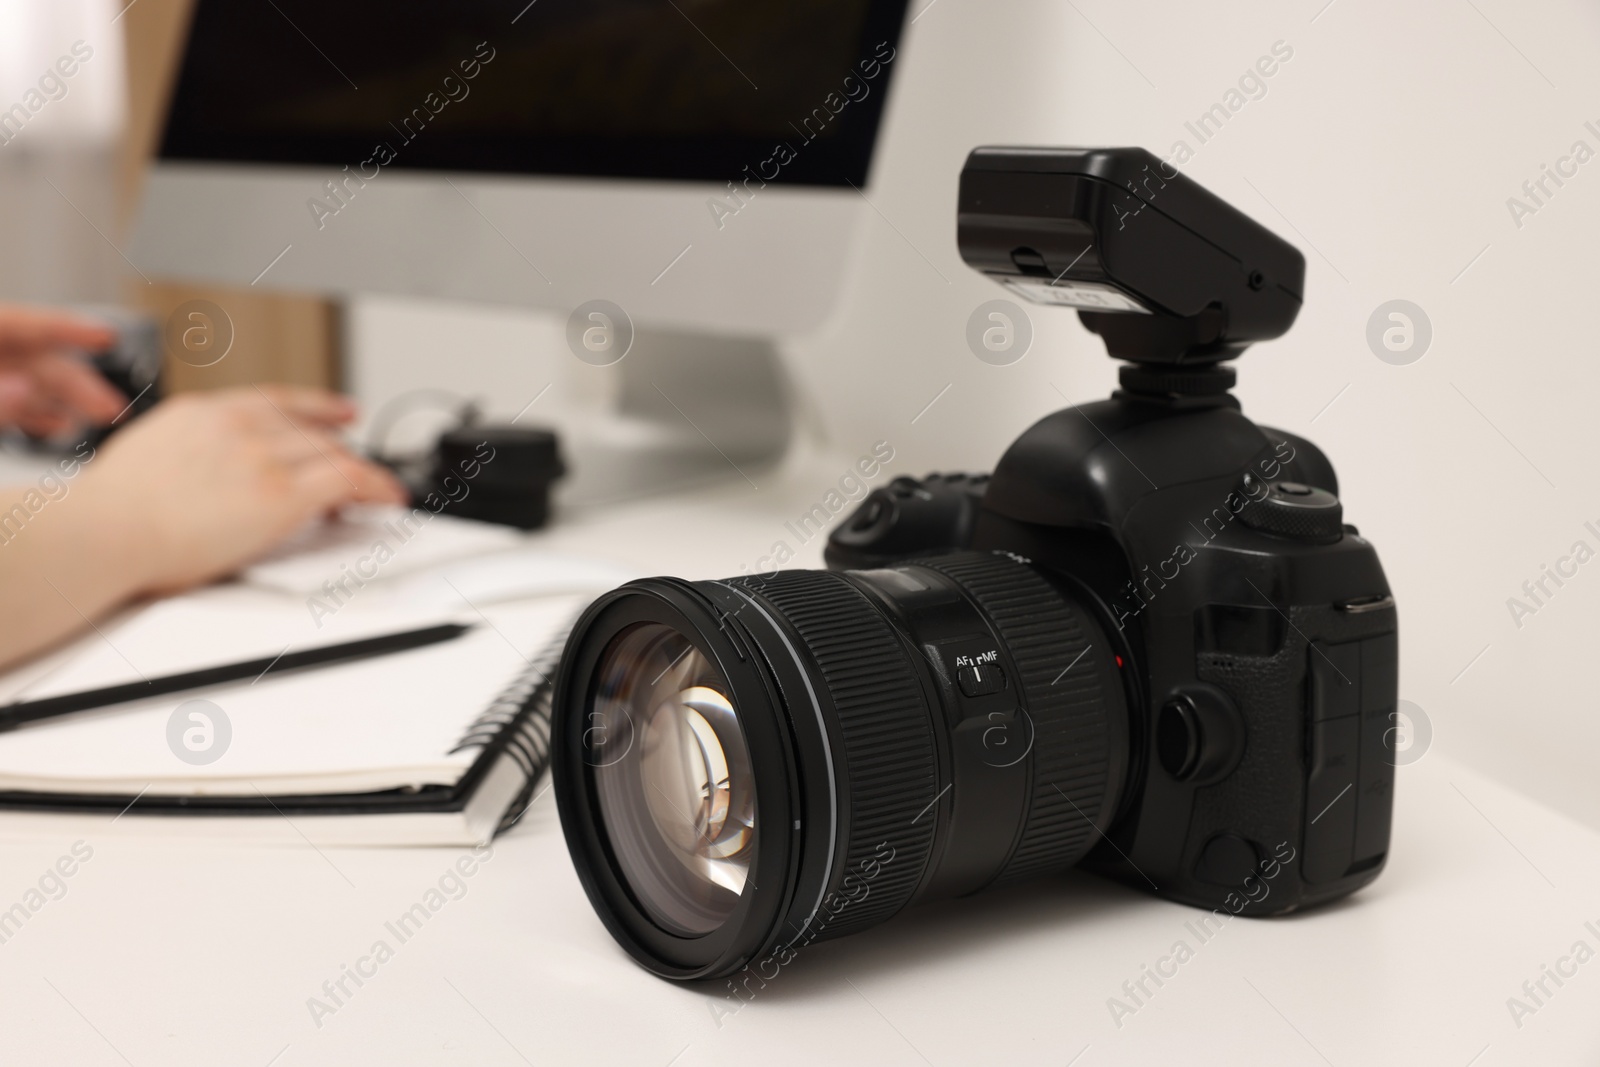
x: 664, y: 89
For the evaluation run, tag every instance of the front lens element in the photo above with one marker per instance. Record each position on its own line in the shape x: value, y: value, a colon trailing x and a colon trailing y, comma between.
x: 672, y: 777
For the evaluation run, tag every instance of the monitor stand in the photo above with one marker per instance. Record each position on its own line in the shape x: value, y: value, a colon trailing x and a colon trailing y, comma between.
x: 690, y: 409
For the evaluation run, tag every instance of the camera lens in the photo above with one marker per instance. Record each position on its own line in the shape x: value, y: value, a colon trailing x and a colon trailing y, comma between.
x: 746, y: 766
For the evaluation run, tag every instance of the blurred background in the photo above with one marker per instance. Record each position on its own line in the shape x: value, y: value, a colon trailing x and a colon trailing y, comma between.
x: 72, y: 180
x: 1392, y: 145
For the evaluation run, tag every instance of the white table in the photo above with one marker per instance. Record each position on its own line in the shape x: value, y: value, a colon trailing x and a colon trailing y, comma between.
x: 176, y: 953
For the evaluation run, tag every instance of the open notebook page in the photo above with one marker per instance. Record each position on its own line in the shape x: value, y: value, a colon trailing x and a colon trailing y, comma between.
x: 372, y: 724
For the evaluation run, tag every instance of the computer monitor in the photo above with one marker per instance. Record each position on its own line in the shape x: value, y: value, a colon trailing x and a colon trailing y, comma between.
x: 697, y: 162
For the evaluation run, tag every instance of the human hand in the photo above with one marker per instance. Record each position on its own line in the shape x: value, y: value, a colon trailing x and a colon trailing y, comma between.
x: 44, y: 388
x: 206, y: 482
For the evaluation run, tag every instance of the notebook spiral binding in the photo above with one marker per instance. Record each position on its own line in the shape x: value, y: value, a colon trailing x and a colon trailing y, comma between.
x: 518, y: 719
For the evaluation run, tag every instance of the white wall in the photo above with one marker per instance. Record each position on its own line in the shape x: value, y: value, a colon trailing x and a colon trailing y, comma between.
x: 1385, y: 149
x: 58, y: 171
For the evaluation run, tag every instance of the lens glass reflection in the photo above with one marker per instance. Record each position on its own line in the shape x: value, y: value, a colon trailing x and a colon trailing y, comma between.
x: 672, y: 775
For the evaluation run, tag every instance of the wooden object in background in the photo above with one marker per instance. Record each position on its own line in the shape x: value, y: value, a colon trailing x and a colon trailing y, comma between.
x: 276, y: 337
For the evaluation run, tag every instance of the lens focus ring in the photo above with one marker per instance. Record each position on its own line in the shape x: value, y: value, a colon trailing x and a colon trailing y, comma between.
x: 890, y: 767
x: 1054, y: 646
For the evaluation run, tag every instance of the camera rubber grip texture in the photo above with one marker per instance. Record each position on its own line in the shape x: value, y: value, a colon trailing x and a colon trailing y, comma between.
x: 1054, y: 645
x: 1265, y: 798
x: 889, y: 766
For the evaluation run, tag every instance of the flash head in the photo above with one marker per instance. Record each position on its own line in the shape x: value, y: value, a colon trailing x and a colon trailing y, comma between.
x: 1163, y: 270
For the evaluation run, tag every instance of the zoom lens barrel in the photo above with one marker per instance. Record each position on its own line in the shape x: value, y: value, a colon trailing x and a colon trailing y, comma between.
x: 749, y: 765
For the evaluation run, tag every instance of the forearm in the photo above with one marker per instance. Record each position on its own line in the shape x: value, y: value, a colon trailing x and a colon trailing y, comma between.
x: 65, y: 562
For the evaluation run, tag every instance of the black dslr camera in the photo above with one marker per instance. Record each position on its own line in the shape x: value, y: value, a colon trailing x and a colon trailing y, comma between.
x: 1147, y: 642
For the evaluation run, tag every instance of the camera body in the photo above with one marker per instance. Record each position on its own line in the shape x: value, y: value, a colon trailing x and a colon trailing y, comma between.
x: 1257, y: 635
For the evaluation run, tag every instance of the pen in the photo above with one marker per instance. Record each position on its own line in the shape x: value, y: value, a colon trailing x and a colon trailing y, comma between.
x: 26, y: 711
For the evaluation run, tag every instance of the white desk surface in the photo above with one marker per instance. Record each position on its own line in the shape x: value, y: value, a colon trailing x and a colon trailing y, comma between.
x: 175, y: 953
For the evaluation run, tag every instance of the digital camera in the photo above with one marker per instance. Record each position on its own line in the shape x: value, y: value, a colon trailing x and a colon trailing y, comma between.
x: 1147, y: 642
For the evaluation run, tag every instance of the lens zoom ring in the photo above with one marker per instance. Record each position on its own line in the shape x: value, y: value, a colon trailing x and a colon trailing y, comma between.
x: 890, y: 766
x: 1053, y: 646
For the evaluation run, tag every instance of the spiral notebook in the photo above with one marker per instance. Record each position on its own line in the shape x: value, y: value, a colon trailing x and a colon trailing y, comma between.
x: 437, y: 745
